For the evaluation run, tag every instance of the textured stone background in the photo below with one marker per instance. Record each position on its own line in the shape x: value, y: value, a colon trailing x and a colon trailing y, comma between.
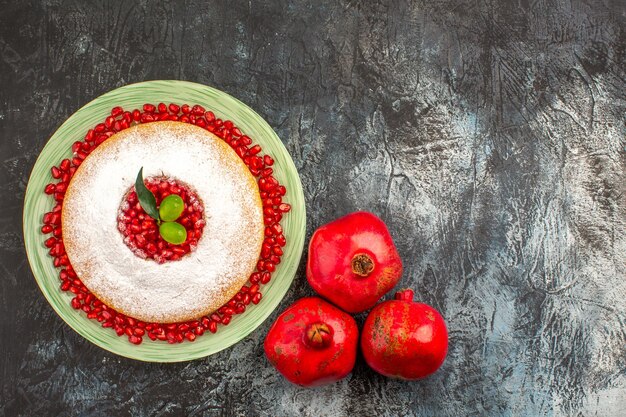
x: 489, y: 136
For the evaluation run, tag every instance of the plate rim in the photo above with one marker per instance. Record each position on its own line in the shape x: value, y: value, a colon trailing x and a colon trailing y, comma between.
x: 265, y: 310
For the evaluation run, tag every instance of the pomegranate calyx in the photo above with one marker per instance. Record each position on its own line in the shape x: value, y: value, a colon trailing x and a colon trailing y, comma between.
x: 405, y: 294
x: 318, y: 335
x: 362, y: 264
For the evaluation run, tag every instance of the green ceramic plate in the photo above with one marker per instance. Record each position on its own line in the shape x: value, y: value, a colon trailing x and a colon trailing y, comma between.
x: 134, y: 96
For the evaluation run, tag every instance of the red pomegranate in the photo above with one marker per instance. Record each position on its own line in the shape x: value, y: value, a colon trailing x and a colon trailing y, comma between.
x: 404, y: 339
x: 353, y: 261
x: 312, y: 343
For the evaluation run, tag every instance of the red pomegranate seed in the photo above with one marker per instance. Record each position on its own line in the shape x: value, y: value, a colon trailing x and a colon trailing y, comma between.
x: 198, y: 110
x: 116, y: 111
x: 275, y: 259
x: 65, y: 165
x: 255, y: 150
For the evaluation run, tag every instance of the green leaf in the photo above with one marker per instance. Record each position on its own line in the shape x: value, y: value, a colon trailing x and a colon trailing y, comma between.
x: 145, y: 196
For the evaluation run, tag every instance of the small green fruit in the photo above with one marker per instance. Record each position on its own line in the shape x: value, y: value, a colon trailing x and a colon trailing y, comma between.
x: 171, y: 208
x: 173, y: 232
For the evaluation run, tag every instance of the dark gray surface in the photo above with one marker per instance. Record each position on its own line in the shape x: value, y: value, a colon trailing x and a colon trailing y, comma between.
x: 489, y: 136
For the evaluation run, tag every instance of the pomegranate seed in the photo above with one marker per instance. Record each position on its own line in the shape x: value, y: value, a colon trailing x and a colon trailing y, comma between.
x: 174, y: 108
x: 116, y: 111
x: 65, y: 165
x: 277, y: 229
x: 198, y: 110
x: 149, y: 108
x: 212, y: 327
x: 255, y: 150
x: 256, y: 298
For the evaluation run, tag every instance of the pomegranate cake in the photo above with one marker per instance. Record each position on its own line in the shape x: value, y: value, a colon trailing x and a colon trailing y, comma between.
x: 146, y: 267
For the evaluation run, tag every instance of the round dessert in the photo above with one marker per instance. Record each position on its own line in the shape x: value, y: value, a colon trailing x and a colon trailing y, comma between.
x: 200, y: 281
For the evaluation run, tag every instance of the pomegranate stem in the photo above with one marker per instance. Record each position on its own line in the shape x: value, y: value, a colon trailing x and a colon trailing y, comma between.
x: 318, y: 335
x: 362, y: 264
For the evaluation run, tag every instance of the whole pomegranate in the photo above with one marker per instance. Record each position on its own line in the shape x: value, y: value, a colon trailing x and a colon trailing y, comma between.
x: 312, y: 343
x: 404, y: 339
x: 353, y: 262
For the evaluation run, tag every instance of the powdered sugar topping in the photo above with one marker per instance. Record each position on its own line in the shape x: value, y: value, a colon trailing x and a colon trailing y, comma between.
x: 174, y: 291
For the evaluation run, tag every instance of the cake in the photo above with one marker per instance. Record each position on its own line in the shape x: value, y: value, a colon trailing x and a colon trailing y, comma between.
x: 215, y: 268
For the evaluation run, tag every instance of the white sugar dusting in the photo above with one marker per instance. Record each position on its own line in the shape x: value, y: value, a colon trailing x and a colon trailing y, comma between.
x: 204, y: 279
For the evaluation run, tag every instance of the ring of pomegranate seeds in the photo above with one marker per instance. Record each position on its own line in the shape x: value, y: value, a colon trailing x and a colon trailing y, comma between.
x: 270, y: 189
